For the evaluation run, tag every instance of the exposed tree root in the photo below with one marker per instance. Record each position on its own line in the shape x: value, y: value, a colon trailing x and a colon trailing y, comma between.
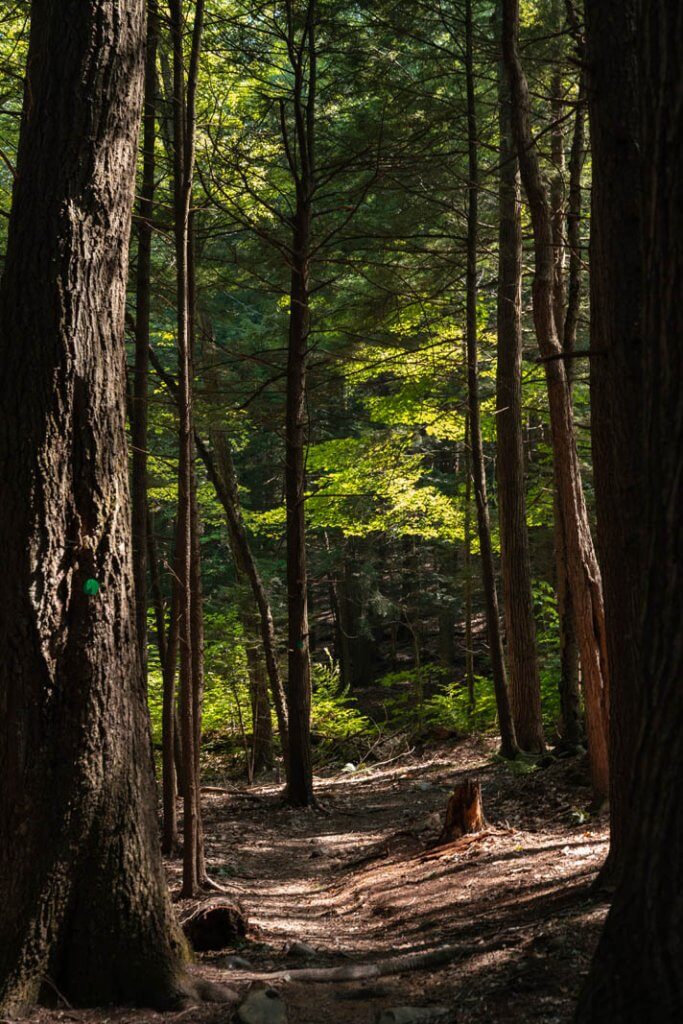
x: 357, y: 972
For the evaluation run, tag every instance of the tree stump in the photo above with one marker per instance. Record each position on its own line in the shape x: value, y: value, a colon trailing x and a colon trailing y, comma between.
x: 215, y: 925
x: 464, y: 813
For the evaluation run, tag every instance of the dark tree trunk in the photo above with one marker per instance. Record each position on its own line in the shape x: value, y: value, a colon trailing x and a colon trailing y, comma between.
x: 520, y: 625
x: 142, y: 320
x: 83, y: 894
x: 300, y: 776
x: 505, y: 723
x: 262, y: 726
x: 637, y: 972
x: 183, y: 174
x: 170, y: 776
x: 616, y: 377
x: 569, y: 653
x: 469, y: 639
x: 584, y: 572
x: 301, y: 156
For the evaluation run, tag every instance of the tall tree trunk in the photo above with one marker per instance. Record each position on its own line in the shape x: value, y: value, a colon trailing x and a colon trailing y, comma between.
x: 85, y: 907
x: 616, y: 379
x: 520, y: 625
x: 183, y: 173
x: 637, y: 972
x: 303, y: 58
x: 584, y: 572
x: 300, y: 777
x: 569, y: 655
x: 505, y: 723
x: 142, y: 321
x: 570, y: 702
x: 469, y: 640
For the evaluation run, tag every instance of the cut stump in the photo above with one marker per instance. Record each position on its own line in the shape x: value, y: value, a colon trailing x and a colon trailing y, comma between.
x: 464, y: 813
x: 215, y: 925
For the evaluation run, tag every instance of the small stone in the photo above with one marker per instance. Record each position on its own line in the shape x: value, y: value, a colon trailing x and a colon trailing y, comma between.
x: 301, y: 949
x: 231, y: 963
x: 262, y: 1006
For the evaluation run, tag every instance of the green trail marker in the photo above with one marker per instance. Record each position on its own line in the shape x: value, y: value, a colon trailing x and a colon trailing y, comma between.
x: 91, y: 587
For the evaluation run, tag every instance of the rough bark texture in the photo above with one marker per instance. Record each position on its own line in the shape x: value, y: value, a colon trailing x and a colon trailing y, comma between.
x: 616, y: 377
x: 302, y: 55
x: 142, y: 319
x: 637, y: 973
x: 584, y: 572
x: 505, y: 723
x: 184, y: 131
x: 520, y: 625
x: 570, y: 704
x: 83, y: 894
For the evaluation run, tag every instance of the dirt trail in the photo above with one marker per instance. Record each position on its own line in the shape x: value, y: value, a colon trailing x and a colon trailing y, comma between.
x: 513, y: 908
x: 354, y: 885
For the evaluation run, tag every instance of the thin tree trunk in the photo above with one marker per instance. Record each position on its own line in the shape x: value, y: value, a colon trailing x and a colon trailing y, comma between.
x: 155, y: 587
x: 570, y: 702
x: 569, y: 655
x: 520, y: 625
x: 505, y: 723
x: 584, y: 572
x: 469, y: 650
x: 85, y: 908
x: 221, y: 472
x: 142, y: 321
x: 184, y: 154
x: 300, y: 775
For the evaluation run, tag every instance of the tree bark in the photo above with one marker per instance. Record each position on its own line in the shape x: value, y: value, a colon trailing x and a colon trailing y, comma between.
x: 302, y: 54
x: 616, y: 379
x: 520, y: 625
x: 183, y: 174
x: 570, y: 704
x: 637, y: 972
x: 142, y: 321
x: 84, y: 900
x: 505, y: 723
x: 584, y: 572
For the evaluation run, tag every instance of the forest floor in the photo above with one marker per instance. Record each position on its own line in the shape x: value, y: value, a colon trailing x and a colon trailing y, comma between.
x: 510, y: 910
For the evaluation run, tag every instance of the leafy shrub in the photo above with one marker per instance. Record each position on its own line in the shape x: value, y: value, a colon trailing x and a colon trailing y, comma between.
x: 334, y: 713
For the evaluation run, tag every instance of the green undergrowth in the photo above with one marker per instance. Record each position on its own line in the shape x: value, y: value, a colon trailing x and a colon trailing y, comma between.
x: 362, y: 727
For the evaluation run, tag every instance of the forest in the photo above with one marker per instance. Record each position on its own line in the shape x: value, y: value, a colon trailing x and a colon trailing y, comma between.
x: 341, y: 476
